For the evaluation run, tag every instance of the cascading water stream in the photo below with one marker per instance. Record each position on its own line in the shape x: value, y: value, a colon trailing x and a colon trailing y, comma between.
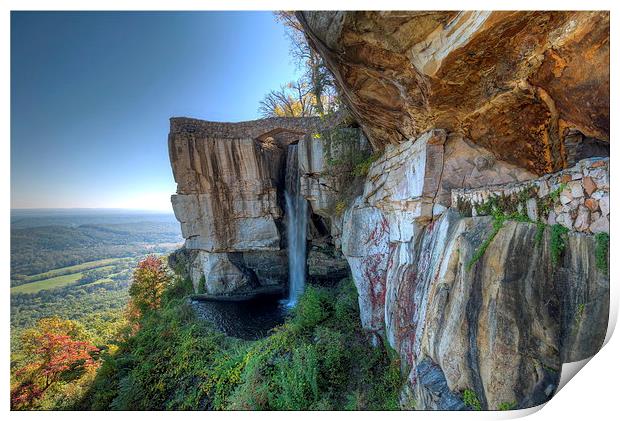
x: 297, y: 222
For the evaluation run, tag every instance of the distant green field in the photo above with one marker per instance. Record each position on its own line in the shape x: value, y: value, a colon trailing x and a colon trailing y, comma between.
x: 55, y: 282
x: 101, y: 281
x: 73, y: 269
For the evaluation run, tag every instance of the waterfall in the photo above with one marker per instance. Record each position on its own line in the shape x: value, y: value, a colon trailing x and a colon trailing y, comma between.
x: 296, y: 225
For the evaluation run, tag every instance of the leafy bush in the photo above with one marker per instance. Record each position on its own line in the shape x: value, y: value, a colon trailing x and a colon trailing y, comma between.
x: 59, y: 354
x: 150, y: 280
x: 362, y: 164
x: 507, y: 406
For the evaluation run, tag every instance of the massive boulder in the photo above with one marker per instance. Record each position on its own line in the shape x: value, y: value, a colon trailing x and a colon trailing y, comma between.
x: 517, y: 83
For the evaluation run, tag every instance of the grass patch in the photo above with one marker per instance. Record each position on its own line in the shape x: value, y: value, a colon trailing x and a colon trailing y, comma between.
x: 471, y: 400
x: 202, y: 285
x: 55, y: 282
x: 101, y: 281
x: 73, y: 269
x: 507, y: 406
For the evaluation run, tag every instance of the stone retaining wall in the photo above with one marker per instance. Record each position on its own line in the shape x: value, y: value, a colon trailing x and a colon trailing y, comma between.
x: 577, y: 198
x: 251, y: 129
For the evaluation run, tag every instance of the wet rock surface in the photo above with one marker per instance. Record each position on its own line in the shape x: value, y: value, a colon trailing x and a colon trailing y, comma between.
x: 248, y: 320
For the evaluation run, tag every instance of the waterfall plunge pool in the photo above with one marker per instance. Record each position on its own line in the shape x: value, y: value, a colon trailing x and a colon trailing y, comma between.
x: 254, y: 318
x: 250, y: 319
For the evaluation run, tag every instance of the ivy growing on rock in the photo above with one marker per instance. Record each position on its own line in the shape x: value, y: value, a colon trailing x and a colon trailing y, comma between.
x: 559, y: 238
x: 602, y: 251
x: 346, y: 162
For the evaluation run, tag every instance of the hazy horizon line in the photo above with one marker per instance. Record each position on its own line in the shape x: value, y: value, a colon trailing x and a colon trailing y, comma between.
x: 95, y: 208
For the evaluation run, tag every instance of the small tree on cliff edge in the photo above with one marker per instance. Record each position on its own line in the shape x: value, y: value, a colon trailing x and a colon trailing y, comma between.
x: 150, y: 280
x: 314, y: 93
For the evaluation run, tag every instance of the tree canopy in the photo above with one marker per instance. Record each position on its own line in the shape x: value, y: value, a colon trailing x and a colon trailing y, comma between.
x: 314, y: 93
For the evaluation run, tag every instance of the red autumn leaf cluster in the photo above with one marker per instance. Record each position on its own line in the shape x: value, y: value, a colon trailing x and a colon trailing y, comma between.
x: 55, y: 349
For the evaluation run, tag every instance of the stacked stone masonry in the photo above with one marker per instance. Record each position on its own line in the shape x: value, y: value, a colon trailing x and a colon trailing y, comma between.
x: 577, y: 198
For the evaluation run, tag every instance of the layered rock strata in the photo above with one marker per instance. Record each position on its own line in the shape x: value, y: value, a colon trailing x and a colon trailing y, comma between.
x: 513, y: 82
x: 477, y: 304
x: 469, y: 114
x: 230, y: 180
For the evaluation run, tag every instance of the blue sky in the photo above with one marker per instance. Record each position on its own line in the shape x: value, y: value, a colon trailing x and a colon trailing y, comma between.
x: 91, y: 95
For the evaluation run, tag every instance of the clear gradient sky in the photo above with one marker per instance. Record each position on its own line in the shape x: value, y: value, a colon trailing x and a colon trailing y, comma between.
x: 91, y: 95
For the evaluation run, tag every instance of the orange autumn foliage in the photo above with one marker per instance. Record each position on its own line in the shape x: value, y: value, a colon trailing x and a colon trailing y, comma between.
x: 150, y: 280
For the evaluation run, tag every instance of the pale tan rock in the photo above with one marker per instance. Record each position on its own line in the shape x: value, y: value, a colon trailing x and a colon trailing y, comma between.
x: 228, y: 176
x: 591, y: 204
x: 582, y: 222
x: 576, y: 189
x: 588, y: 185
x: 604, y: 205
x: 433, y: 305
x: 565, y: 219
x: 600, y: 225
x: 565, y: 197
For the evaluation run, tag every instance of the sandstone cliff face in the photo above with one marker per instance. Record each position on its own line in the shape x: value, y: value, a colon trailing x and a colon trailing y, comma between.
x: 500, y: 324
x: 502, y: 328
x: 230, y: 180
x: 513, y: 82
x: 468, y: 108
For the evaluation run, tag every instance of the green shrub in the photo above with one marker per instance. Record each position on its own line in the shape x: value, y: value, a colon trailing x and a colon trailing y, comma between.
x: 507, y: 406
x: 202, y: 285
x: 311, y: 309
x: 540, y: 233
x: 362, y: 164
x: 471, y: 400
x: 295, y: 379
